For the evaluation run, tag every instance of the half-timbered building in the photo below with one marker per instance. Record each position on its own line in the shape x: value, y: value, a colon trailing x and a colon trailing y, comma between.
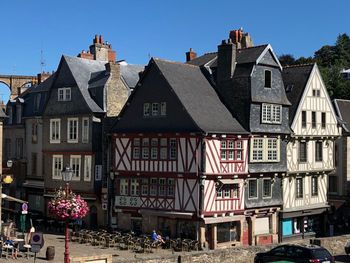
x: 310, y: 152
x: 249, y: 80
x: 179, y: 159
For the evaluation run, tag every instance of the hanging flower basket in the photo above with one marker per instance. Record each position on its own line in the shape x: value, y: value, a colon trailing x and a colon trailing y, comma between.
x: 69, y: 206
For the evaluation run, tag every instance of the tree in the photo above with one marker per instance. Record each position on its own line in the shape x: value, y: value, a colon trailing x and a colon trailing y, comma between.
x: 286, y: 60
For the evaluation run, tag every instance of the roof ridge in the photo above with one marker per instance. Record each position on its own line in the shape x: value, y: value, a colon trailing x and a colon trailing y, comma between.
x: 174, y: 62
x: 263, y: 45
x: 299, y: 65
x: 342, y: 100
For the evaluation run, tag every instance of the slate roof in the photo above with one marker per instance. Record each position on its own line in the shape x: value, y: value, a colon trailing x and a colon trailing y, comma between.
x: 199, y: 98
x: 342, y: 109
x: 244, y: 56
x: 130, y: 74
x: 295, y: 79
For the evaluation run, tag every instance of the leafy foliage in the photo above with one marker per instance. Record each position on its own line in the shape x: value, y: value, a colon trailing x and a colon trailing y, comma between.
x: 331, y: 60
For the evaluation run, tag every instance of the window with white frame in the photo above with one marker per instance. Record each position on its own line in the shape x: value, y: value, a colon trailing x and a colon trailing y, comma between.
x: 72, y: 130
x: 171, y: 187
x: 153, y: 187
x: 267, y: 188
x: 134, y: 187
x: 162, y: 187
x: 146, y: 109
x: 173, y: 149
x: 299, y: 187
x: 124, y: 186
x: 163, y: 108
x: 154, y: 148
x: 55, y: 130
x: 314, y: 185
x: 252, y: 189
x: 87, y: 168
x: 271, y: 113
x: 144, y: 186
x: 85, y: 130
x: 265, y: 150
x: 57, y: 166
x: 155, y: 109
x: 64, y: 94
x: 75, y: 161
x: 231, y: 149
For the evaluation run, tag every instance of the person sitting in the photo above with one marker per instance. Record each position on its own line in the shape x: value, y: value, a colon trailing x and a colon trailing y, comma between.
x: 154, y: 236
x: 160, y: 239
x: 14, y: 245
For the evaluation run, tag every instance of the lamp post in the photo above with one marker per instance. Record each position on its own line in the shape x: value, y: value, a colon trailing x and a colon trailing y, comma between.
x: 6, y: 180
x: 67, y: 174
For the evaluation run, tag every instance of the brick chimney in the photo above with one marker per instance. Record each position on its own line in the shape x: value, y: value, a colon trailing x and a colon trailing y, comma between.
x: 190, y: 55
x: 116, y: 94
x: 226, y: 64
x: 99, y: 51
x: 241, y: 39
x: 43, y: 76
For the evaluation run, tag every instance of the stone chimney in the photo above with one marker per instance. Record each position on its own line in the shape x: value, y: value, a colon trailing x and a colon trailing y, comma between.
x: 241, y: 39
x: 190, y: 55
x: 116, y: 94
x: 226, y: 64
x: 43, y: 76
x: 99, y: 50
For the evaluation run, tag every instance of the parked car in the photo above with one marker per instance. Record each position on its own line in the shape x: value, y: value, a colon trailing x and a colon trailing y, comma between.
x: 295, y: 253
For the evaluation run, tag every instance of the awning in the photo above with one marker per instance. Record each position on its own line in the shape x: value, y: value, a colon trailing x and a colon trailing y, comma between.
x: 10, y: 198
x: 34, y: 184
x: 304, y: 212
x: 230, y: 181
x: 223, y: 219
x: 166, y: 213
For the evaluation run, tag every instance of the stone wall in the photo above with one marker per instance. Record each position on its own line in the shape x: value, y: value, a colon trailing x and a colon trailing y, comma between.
x: 335, y: 245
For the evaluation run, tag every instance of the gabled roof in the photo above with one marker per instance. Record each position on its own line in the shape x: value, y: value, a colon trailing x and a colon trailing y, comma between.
x: 244, y: 56
x: 130, y: 74
x: 198, y: 97
x: 295, y: 79
x: 342, y: 109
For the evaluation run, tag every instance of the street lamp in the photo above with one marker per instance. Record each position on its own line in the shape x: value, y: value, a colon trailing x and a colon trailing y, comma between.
x: 67, y: 174
x: 6, y: 180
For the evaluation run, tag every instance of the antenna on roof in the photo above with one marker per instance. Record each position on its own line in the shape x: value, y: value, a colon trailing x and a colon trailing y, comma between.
x: 149, y: 55
x: 42, y: 61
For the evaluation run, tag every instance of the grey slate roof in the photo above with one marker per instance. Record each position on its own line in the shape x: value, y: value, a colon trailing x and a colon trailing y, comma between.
x: 342, y: 109
x: 244, y: 55
x: 130, y: 74
x: 199, y: 98
x: 295, y: 79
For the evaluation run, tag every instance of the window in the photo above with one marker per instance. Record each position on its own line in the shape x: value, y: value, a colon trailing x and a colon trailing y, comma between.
x: 252, y: 189
x: 57, y: 166
x: 267, y: 186
x: 154, y: 148
x: 163, y: 108
x: 144, y: 186
x: 299, y: 188
x: 134, y: 187
x: 265, y: 150
x: 85, y: 130
x: 55, y: 127
x: 228, y: 191
x: 34, y: 163
x: 64, y: 94
x: 316, y: 93
x: 231, y: 149
x: 146, y: 109
x: 136, y: 148
x: 314, y: 186
x: 302, y: 152
x: 271, y: 113
x: 124, y: 186
x: 163, y: 149
x: 171, y: 187
x: 19, y: 148
x: 87, y: 168
x: 162, y: 187
x: 34, y: 132
x: 333, y: 184
x: 8, y: 148
x: 323, y: 120
x: 267, y: 79
x: 173, y: 149
x: 303, y: 119
x: 153, y: 187
x: 72, y: 130
x: 19, y: 113
x: 75, y: 161
x: 318, y: 152
x: 219, y: 194
x: 155, y: 109
x: 313, y: 119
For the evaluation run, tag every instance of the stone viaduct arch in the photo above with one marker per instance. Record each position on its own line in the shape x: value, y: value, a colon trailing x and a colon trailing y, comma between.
x: 17, y: 82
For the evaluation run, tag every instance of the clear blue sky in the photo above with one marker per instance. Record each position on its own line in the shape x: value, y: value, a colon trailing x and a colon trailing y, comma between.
x: 160, y: 28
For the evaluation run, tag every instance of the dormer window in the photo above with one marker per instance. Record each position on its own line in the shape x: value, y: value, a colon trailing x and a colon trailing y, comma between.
x: 64, y: 94
x: 267, y: 79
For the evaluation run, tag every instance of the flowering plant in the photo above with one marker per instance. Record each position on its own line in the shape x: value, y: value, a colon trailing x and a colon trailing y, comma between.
x: 67, y: 206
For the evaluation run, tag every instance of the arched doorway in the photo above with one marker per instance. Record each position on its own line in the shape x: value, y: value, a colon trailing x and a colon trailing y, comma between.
x: 93, y: 217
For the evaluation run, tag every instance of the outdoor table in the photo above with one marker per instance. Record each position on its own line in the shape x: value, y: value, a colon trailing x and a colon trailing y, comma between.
x: 8, y: 248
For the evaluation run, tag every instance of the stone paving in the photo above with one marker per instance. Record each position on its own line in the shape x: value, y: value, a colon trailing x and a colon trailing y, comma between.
x: 77, y: 249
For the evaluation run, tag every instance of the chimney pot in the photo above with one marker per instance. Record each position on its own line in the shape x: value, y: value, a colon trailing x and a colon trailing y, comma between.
x: 101, y: 40
x: 190, y: 55
x: 95, y: 39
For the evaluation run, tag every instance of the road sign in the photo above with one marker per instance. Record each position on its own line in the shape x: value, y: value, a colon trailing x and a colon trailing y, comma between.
x: 37, y: 238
